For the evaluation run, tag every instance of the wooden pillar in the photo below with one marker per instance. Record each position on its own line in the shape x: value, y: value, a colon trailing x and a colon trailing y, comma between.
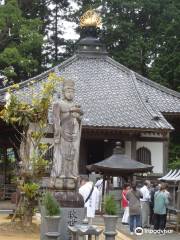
x: 178, y: 208
x: 133, y: 155
x: 5, y: 163
x: 165, y: 154
x: 133, y: 148
x: 178, y: 197
x: 83, y: 156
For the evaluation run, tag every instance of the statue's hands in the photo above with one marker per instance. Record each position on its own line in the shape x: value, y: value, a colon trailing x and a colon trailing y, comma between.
x: 76, y: 111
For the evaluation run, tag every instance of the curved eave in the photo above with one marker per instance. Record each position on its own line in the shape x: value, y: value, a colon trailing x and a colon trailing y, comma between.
x: 117, y: 171
x: 171, y: 114
x: 118, y: 128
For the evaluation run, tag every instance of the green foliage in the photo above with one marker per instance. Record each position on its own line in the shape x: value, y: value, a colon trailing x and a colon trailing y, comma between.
x: 52, y: 14
x: 19, y: 113
x: 51, y: 205
x: 9, y: 73
x: 110, y: 205
x: 30, y: 190
x: 174, y: 156
x: 20, y: 42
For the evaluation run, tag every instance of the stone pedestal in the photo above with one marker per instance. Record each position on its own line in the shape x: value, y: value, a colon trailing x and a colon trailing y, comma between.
x: 110, y: 222
x: 71, y: 203
x: 72, y: 210
x: 65, y: 184
x: 50, y: 226
x: 52, y: 236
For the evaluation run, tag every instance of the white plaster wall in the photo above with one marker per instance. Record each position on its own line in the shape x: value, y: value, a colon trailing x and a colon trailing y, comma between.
x: 156, y: 149
x: 128, y: 148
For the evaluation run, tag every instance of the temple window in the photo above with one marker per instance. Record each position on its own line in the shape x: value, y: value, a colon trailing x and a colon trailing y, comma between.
x: 143, y: 155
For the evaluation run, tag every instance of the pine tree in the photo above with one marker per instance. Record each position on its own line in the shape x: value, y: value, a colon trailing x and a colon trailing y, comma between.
x: 52, y: 14
x: 165, y: 68
x: 57, y: 43
x: 20, y: 43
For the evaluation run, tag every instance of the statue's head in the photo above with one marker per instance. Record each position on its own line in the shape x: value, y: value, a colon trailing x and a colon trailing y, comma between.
x: 68, y: 89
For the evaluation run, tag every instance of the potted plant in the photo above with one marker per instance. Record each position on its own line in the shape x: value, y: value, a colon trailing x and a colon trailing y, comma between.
x: 51, y: 214
x: 110, y: 216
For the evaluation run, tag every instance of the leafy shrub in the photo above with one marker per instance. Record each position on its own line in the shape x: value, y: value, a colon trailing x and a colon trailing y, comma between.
x: 51, y: 205
x: 110, y: 205
x: 30, y: 190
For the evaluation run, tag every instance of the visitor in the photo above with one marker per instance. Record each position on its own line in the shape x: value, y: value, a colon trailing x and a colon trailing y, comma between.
x: 99, y: 185
x: 133, y: 196
x: 145, y: 202
x: 90, y: 195
x: 153, y: 189
x: 160, y: 204
x: 124, y: 203
x: 167, y: 193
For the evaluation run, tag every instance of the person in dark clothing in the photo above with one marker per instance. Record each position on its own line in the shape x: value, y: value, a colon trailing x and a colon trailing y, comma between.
x: 160, y: 204
x: 133, y: 196
x: 153, y: 189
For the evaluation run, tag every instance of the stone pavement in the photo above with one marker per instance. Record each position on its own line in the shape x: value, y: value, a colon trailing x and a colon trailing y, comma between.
x: 124, y: 229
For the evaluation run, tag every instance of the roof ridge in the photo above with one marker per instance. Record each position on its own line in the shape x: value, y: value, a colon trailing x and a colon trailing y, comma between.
x: 139, y: 95
x: 42, y: 75
x: 144, y: 79
x: 117, y: 64
x: 134, y: 80
x: 157, y: 85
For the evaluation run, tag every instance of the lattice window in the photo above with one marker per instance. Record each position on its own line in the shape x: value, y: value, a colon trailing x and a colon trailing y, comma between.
x: 143, y: 155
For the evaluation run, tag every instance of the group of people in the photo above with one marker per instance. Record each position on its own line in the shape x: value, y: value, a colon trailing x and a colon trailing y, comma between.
x: 145, y: 206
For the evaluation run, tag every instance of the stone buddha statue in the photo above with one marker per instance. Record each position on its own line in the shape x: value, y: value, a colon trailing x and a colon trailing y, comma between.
x: 67, y: 133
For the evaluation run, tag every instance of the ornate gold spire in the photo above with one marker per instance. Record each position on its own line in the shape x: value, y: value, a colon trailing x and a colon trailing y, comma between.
x: 90, y: 19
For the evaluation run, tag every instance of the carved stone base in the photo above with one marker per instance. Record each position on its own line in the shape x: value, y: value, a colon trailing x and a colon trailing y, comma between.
x: 60, y: 184
x: 67, y: 184
x: 69, y: 199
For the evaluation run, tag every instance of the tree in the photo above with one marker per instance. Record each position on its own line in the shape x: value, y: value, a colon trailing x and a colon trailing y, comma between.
x: 20, y: 43
x: 53, y: 14
x: 33, y: 9
x: 30, y: 122
x: 165, y: 68
x: 56, y: 44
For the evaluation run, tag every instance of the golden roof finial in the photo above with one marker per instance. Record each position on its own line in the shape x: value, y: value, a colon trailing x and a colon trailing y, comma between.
x: 90, y: 19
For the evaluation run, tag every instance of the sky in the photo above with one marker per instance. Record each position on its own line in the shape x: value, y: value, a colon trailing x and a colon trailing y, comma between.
x: 69, y: 27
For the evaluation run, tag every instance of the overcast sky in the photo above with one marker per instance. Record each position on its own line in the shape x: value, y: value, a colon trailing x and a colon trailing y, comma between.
x: 69, y: 27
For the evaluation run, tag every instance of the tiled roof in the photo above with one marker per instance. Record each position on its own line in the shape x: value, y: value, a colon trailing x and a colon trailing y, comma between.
x: 119, y: 163
x: 111, y: 95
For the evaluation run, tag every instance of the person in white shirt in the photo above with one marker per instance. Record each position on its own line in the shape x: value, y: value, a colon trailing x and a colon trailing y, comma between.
x: 145, y: 204
x: 90, y: 195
